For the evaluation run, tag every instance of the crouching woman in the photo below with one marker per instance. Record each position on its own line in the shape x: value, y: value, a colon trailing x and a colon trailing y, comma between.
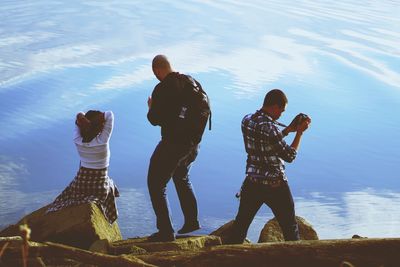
x: 91, y: 184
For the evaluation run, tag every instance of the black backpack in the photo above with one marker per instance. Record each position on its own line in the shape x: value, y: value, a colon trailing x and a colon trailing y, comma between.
x: 194, y: 108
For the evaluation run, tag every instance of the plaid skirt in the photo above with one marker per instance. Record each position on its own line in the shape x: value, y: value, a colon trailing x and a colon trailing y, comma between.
x: 90, y: 186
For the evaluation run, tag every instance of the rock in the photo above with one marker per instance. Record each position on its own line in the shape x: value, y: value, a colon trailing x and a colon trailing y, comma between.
x: 52, y: 254
x: 182, y: 243
x: 131, y: 250
x: 77, y: 226
x: 224, y: 231
x: 358, y: 236
x: 11, y: 240
x: 346, y: 264
x: 31, y: 262
x: 105, y: 247
x: 272, y: 231
x: 100, y: 246
x: 310, y: 253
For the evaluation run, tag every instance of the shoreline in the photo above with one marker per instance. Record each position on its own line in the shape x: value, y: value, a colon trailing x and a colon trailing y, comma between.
x: 208, y: 251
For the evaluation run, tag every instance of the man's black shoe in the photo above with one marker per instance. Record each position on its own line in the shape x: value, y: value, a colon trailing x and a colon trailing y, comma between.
x: 189, y: 227
x: 161, y: 237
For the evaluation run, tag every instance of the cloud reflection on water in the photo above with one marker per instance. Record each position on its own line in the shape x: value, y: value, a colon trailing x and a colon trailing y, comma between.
x: 256, y: 43
x: 13, y: 202
x: 120, y: 40
x: 273, y: 57
x: 358, y: 55
x: 368, y: 212
x: 89, y: 52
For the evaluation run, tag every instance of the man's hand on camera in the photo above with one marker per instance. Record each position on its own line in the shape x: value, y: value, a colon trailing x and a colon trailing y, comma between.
x: 292, y: 126
x: 304, y: 125
x: 295, y: 122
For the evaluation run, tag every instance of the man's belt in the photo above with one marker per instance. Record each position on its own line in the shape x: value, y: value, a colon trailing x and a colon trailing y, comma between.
x: 270, y: 182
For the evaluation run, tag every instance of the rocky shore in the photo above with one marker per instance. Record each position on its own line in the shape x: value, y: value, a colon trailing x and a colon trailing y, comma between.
x: 80, y: 236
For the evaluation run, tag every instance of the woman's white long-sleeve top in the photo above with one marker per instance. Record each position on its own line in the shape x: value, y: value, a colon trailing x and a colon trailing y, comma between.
x: 96, y: 153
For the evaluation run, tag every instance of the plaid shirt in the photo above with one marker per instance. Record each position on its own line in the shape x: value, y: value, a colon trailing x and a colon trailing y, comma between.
x: 265, y: 147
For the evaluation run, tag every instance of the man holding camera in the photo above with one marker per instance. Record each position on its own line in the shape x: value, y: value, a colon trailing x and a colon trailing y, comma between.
x: 266, y: 181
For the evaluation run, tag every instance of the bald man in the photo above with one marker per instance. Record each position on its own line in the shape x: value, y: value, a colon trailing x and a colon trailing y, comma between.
x: 174, y: 154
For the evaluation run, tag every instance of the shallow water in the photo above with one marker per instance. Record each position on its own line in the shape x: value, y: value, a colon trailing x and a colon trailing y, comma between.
x: 338, y: 62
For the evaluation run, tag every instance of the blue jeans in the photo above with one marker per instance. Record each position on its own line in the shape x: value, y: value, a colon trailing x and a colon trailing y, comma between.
x: 172, y: 160
x: 279, y: 199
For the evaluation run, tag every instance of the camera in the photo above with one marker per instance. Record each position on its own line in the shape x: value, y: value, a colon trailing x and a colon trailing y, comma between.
x: 299, y: 119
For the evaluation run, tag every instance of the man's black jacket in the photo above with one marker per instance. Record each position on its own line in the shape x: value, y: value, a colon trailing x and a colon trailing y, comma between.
x: 165, y: 107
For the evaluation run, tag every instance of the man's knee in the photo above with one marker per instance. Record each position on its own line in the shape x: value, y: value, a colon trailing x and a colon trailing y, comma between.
x: 156, y: 186
x: 182, y: 180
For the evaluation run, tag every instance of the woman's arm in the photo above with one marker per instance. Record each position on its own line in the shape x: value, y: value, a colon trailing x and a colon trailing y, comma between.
x: 80, y: 121
x: 108, y: 126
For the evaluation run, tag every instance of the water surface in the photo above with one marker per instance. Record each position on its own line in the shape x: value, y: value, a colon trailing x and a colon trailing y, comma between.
x: 336, y: 61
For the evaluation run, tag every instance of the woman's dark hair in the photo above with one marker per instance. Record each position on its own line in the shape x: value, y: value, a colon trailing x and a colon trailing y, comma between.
x: 96, y: 125
x: 275, y: 97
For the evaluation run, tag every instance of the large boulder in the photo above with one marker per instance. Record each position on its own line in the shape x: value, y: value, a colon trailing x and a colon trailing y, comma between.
x: 272, y: 231
x: 77, y: 226
x: 224, y: 232
x: 142, y: 245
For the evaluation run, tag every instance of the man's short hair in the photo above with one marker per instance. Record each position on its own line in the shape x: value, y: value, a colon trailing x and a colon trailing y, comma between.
x: 275, y: 97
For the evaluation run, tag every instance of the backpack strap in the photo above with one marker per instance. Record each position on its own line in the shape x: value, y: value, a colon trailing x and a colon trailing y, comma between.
x: 209, y: 121
x: 208, y: 100
x: 191, y: 80
x: 209, y: 117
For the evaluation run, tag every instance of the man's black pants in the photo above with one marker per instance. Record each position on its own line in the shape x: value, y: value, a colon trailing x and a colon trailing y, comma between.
x: 172, y: 160
x: 279, y: 199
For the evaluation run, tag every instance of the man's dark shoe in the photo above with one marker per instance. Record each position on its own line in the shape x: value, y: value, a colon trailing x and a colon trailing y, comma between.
x: 161, y: 237
x: 189, y: 227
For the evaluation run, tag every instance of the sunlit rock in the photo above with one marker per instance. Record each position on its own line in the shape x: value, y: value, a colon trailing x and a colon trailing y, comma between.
x: 182, y: 243
x: 224, y: 232
x: 358, y: 236
x: 272, y: 231
x: 78, y: 226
